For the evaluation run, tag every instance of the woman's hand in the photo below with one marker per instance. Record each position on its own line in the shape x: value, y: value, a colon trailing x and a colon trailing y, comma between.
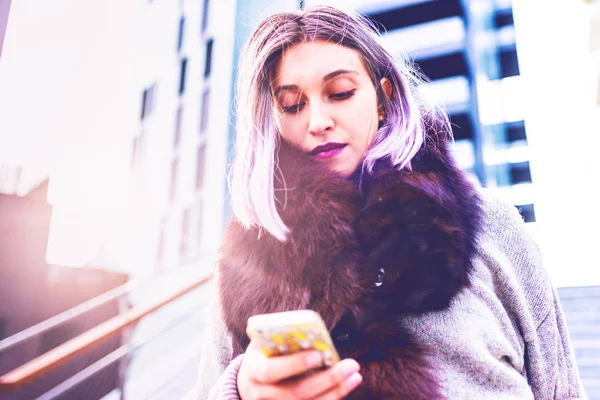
x: 263, y: 378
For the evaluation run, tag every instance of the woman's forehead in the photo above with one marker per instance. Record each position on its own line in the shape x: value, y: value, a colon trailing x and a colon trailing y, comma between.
x: 314, y: 62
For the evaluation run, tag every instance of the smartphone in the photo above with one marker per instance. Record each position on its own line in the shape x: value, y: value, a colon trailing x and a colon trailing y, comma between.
x: 291, y: 331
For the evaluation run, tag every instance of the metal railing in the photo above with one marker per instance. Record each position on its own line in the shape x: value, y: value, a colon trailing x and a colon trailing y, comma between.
x: 67, y: 315
x: 105, y: 361
x: 57, y: 356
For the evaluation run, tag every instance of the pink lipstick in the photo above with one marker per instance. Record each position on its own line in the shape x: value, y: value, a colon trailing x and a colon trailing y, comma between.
x: 327, y: 150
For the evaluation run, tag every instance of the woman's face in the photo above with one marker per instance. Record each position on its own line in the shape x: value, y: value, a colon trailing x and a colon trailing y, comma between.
x: 326, y: 103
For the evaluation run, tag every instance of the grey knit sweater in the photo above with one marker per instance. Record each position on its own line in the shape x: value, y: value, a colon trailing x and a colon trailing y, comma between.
x: 502, y: 338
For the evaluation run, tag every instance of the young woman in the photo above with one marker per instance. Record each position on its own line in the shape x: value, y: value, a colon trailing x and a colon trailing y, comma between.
x: 347, y: 201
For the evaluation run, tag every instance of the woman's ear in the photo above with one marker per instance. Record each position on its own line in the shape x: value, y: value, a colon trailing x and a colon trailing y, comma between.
x: 386, y: 87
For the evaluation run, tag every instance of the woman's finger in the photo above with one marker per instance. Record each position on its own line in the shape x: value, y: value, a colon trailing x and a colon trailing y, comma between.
x: 333, y: 383
x: 343, y: 389
x: 276, y: 369
x: 329, y: 380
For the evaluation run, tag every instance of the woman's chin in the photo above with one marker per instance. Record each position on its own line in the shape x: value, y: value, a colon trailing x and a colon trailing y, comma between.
x: 344, y: 169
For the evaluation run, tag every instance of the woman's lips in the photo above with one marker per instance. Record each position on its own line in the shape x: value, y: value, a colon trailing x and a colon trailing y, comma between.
x: 329, y: 154
x: 327, y: 150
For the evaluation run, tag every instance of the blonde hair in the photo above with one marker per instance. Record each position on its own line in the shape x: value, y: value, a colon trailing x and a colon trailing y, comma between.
x: 399, y: 137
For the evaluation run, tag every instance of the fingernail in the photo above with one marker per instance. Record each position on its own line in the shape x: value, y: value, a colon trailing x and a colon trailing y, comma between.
x: 349, y: 367
x: 354, y: 380
x: 314, y: 359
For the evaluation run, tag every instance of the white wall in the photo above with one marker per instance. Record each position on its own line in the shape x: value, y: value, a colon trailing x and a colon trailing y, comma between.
x: 563, y: 132
x: 66, y: 96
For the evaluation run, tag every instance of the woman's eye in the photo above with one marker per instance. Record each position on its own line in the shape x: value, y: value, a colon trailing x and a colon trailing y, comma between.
x: 293, y: 108
x: 342, y: 95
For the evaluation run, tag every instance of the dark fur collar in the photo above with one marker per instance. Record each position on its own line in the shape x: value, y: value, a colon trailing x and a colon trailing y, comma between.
x: 413, y: 232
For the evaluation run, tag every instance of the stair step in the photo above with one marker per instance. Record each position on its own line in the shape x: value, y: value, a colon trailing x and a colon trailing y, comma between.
x: 583, y: 304
x: 589, y: 372
x: 584, y: 332
x: 578, y: 292
x: 581, y: 354
x: 586, y: 344
x: 585, y: 328
x: 590, y: 316
x: 591, y: 384
x: 589, y: 362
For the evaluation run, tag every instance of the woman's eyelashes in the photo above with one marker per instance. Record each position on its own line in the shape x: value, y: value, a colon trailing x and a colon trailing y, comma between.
x: 295, y: 108
x: 342, y: 95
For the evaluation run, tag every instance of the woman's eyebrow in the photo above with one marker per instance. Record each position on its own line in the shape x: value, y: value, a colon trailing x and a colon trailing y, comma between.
x: 326, y: 78
x: 338, y: 72
x: 286, y: 87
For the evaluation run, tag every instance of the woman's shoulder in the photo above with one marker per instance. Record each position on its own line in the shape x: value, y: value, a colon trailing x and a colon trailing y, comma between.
x: 503, y: 227
x: 508, y: 251
x: 499, y: 216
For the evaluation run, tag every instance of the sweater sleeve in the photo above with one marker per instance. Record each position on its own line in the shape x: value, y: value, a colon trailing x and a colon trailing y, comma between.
x: 532, y: 299
x: 217, y: 380
x: 217, y: 377
x: 552, y: 368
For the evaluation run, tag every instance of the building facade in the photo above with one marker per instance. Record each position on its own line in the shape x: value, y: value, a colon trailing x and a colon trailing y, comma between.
x: 183, y: 143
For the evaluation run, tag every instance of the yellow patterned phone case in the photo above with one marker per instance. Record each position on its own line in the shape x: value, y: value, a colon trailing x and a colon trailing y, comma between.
x: 291, y: 331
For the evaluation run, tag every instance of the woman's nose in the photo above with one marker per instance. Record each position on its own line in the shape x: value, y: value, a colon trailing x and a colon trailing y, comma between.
x: 320, y: 120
